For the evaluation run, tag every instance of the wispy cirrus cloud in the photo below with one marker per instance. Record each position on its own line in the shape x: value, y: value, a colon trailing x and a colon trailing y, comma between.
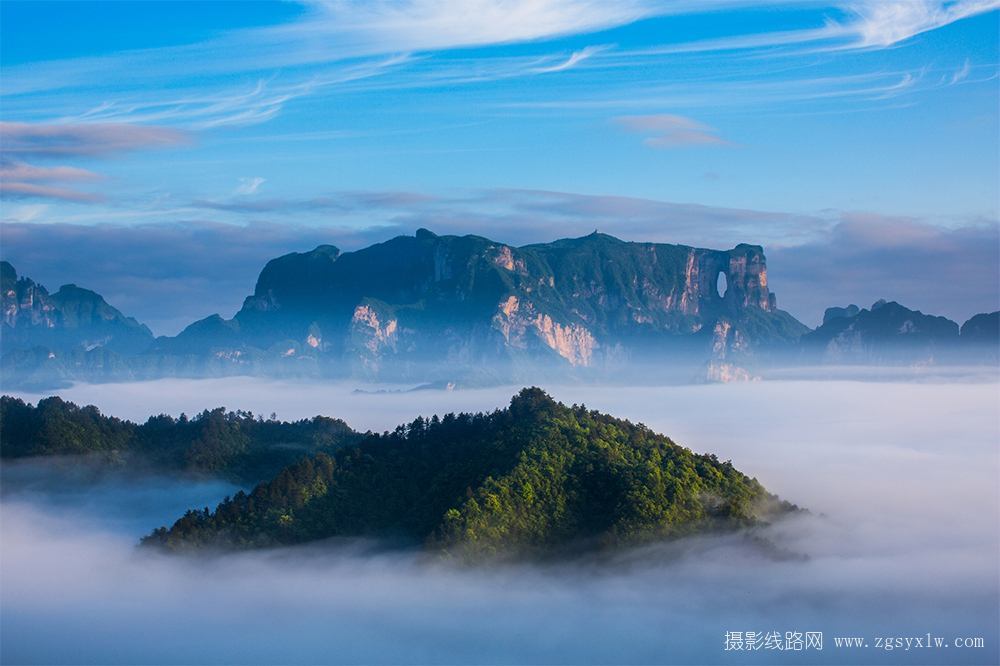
x: 338, y: 42
x: 572, y: 61
x: 768, y: 86
x: 418, y: 25
x: 249, y: 103
x: 426, y: 25
x: 884, y: 23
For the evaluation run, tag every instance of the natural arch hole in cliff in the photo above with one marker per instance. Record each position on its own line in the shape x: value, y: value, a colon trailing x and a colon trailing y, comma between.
x: 722, y: 286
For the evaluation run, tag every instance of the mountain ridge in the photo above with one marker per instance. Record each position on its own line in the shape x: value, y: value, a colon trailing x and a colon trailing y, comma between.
x: 468, y: 311
x: 72, y: 318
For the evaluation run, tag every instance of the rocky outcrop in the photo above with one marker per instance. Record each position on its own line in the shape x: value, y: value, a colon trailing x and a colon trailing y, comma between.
x: 745, y: 273
x: 848, y: 312
x: 727, y: 340
x: 72, y: 318
x: 888, y: 333
x: 731, y: 355
x: 375, y: 335
x: 25, y: 304
x: 573, y: 342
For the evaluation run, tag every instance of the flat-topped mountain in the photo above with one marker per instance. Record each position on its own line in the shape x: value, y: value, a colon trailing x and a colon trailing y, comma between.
x: 596, y: 286
x: 394, y: 309
x: 536, y: 478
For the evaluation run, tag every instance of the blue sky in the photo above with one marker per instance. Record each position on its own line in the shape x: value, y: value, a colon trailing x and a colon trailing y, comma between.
x: 857, y: 141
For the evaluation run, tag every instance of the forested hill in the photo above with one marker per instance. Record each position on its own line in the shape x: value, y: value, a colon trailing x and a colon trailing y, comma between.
x: 535, y: 478
x: 233, y: 445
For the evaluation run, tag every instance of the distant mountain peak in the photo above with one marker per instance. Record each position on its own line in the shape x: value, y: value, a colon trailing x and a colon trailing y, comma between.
x: 73, y: 318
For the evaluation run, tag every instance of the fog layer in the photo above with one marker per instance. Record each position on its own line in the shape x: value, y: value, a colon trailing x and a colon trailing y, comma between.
x: 903, y: 540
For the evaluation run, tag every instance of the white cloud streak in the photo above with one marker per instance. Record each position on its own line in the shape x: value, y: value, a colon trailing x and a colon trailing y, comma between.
x: 884, y: 23
x: 442, y: 24
x: 248, y: 185
x: 573, y: 60
x: 415, y: 25
x: 340, y: 42
x: 962, y: 73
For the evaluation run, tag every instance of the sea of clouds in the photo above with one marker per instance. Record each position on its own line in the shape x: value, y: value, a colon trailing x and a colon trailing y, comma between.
x: 902, y: 480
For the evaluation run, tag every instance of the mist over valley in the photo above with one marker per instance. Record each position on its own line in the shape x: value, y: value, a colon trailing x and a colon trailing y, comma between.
x: 901, y: 539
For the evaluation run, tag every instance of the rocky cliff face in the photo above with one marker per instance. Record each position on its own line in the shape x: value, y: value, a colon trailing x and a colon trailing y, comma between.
x: 745, y: 274
x: 440, y: 309
x: 72, y: 318
x: 432, y: 308
x: 24, y: 303
x: 516, y: 323
x: 473, y: 301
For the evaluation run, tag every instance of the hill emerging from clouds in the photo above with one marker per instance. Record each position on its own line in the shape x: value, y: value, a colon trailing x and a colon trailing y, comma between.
x: 536, y: 478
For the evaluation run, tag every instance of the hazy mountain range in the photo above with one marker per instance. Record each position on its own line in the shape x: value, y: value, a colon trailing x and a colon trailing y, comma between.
x: 470, y: 311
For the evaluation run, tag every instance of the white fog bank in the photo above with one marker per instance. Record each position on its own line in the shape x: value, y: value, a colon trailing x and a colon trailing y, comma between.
x: 902, y: 479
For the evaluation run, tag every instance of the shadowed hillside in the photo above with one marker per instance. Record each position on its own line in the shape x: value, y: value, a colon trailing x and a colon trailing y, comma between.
x: 535, y: 478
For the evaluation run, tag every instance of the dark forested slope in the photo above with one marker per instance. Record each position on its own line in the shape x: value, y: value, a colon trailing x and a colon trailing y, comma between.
x: 233, y: 445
